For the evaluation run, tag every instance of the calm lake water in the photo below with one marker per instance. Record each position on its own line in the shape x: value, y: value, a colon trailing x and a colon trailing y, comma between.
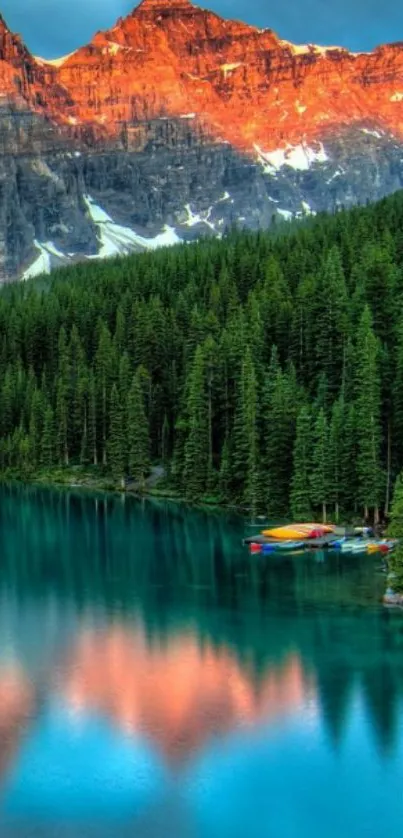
x: 157, y: 681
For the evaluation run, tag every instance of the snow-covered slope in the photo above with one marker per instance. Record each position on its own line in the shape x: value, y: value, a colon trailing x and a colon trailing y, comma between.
x: 48, y: 257
x: 114, y: 240
x: 300, y: 157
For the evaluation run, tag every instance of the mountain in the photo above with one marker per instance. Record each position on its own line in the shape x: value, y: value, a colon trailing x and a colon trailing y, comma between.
x: 177, y: 123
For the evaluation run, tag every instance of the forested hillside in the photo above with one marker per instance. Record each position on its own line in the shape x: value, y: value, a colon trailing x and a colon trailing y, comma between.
x: 265, y: 370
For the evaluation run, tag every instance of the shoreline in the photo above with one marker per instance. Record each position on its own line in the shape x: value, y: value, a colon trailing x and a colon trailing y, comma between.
x: 69, y: 479
x: 106, y: 485
x: 392, y: 599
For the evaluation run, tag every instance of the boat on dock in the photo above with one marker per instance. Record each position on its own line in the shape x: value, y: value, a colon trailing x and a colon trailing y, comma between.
x: 293, y: 538
x: 355, y: 545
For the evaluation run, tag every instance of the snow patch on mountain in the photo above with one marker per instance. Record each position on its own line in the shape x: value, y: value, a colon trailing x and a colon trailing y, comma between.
x: 300, y: 157
x: 307, y: 208
x: 41, y: 265
x: 55, y: 62
x: 116, y: 240
x: 335, y: 175
x: 372, y: 133
x: 198, y: 218
x: 49, y: 256
x: 287, y: 214
x: 226, y: 69
x: 304, y: 49
x: 112, y: 48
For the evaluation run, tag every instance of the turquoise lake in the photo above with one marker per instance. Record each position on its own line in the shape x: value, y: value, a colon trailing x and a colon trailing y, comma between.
x: 158, y: 681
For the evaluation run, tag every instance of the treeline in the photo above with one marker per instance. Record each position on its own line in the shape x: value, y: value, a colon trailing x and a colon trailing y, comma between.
x: 262, y: 370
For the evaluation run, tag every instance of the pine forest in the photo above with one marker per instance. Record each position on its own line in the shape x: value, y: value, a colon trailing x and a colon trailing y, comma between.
x: 263, y: 370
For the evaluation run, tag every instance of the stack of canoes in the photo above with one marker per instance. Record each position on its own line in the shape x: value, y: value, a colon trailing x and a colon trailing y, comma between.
x: 293, y: 538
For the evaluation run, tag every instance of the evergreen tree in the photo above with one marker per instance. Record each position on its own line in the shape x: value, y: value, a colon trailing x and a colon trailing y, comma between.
x: 90, y: 445
x: 335, y: 456
x: 138, y: 434
x: 300, y: 498
x: 197, y: 444
x: 349, y: 472
x: 320, y: 484
x: 398, y: 398
x: 36, y: 423
x: 116, y: 441
x: 48, y: 438
x: 331, y: 320
x: 368, y: 407
x: 224, y: 481
x: 220, y: 405
x: 280, y: 399
x: 245, y: 458
x: 395, y: 528
x: 63, y: 396
x: 62, y: 422
x: 104, y: 368
x: 166, y: 446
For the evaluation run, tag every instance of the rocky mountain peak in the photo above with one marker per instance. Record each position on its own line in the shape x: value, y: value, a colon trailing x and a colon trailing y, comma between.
x: 159, y: 6
x: 156, y: 5
x: 178, y: 109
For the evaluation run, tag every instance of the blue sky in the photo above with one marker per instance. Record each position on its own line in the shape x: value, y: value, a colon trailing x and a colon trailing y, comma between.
x: 54, y: 27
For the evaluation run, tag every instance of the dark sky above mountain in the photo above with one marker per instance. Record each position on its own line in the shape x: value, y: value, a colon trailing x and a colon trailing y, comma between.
x: 54, y: 27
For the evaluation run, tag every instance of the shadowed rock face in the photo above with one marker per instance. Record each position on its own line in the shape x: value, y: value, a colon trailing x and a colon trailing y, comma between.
x: 178, y: 117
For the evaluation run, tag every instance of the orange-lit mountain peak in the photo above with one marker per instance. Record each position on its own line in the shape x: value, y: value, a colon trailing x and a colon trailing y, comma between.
x: 171, y: 79
x: 161, y: 6
x: 170, y: 58
x: 173, y: 58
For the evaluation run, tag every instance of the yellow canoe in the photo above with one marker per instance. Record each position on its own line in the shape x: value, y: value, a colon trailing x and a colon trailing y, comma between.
x: 373, y: 548
x: 296, y: 531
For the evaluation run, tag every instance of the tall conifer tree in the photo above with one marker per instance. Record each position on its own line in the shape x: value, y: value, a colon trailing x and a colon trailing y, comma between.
x: 138, y: 436
x: 300, y: 498
x: 197, y: 443
x: 320, y: 486
x: 368, y: 408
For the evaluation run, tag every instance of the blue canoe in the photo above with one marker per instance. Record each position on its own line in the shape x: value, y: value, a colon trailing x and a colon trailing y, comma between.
x: 282, y: 547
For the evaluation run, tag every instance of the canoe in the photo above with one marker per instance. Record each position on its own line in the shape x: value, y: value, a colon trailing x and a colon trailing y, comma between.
x: 288, y: 546
x: 256, y: 539
x: 297, y: 531
x: 253, y: 539
x: 268, y: 548
x: 280, y: 547
x: 374, y: 548
x: 337, y: 544
x: 255, y: 548
x: 320, y: 543
x: 355, y: 546
x: 384, y: 546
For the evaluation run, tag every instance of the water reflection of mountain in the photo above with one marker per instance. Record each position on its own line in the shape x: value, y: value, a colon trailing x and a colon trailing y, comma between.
x: 184, y: 573
x: 176, y: 693
x: 16, y: 705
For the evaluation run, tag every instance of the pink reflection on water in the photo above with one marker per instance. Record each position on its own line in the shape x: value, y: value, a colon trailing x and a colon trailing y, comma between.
x: 180, y: 692
x: 17, y: 703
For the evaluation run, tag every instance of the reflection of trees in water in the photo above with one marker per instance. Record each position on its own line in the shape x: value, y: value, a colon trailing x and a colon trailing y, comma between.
x: 182, y: 570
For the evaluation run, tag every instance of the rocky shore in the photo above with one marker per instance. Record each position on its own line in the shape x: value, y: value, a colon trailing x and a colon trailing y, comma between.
x: 392, y: 598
